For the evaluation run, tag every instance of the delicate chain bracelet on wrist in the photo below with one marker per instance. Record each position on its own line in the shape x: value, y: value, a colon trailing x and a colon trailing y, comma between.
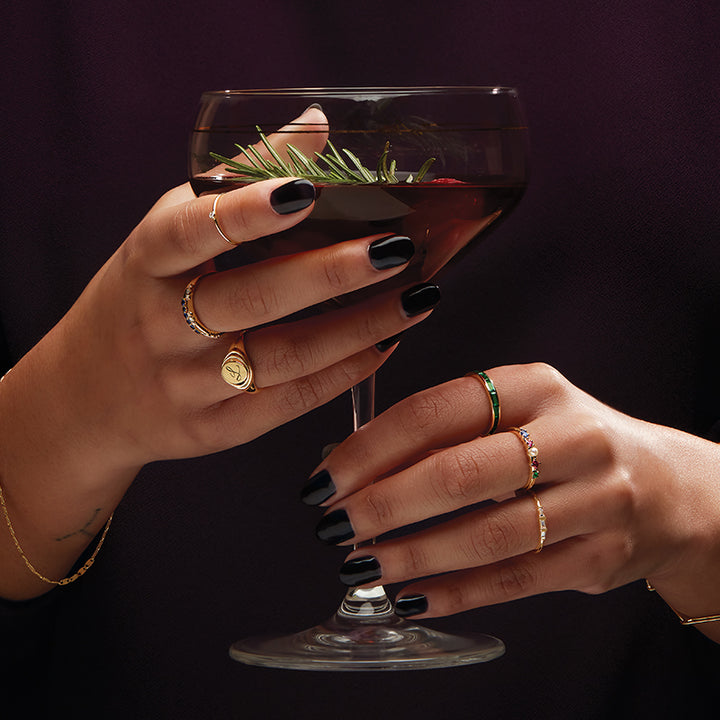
x: 86, y: 565
x: 684, y: 619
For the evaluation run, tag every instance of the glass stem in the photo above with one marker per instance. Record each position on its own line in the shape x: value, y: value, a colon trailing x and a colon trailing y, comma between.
x: 365, y: 603
x: 363, y: 398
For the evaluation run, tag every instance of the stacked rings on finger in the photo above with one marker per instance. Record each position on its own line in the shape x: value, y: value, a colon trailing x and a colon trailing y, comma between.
x: 236, y: 369
x: 188, y: 309
x: 492, y: 396
x: 532, y: 454
x: 542, y: 524
x: 213, y: 216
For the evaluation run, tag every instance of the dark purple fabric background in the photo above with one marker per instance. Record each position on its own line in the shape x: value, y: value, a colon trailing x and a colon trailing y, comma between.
x: 609, y: 269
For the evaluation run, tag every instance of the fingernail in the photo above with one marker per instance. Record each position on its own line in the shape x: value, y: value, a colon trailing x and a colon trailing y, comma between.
x: 420, y: 298
x: 318, y: 489
x: 391, y: 251
x: 335, y: 528
x: 328, y: 449
x: 359, y: 571
x: 385, y: 345
x: 292, y: 197
x: 314, y: 106
x: 411, y: 605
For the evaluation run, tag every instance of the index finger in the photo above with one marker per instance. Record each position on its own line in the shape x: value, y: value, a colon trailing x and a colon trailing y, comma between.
x: 172, y: 240
x: 180, y: 235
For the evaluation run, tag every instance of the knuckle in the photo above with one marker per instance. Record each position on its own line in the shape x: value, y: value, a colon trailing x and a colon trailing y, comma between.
x: 412, y: 561
x: 336, y: 273
x: 551, y: 380
x: 621, y: 493
x: 349, y: 372
x: 456, y: 597
x: 596, y: 438
x: 367, y: 329
x: 494, y: 537
x: 185, y: 231
x: 378, y: 509
x: 515, y: 580
x: 241, y: 222
x: 251, y: 297
x: 459, y: 475
x: 423, y: 411
x: 302, y: 395
x: 290, y: 357
x: 605, y: 563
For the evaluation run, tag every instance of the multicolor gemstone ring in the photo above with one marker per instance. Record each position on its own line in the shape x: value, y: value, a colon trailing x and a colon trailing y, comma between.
x: 532, y: 453
x: 492, y: 396
x: 188, y: 310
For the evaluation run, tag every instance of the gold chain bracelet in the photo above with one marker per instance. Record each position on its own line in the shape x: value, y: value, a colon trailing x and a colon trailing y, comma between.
x: 85, y: 567
x: 65, y: 581
x: 684, y: 619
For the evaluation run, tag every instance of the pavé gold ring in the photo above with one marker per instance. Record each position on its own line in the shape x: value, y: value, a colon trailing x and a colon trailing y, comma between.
x: 188, y: 310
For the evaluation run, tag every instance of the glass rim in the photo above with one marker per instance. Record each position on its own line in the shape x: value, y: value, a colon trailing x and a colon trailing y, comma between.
x: 368, y: 92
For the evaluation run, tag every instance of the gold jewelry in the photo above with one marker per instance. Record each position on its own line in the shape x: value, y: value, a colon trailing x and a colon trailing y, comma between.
x: 65, y: 581
x: 188, y: 309
x: 236, y: 369
x: 685, y: 619
x: 492, y: 396
x: 542, y: 524
x: 532, y: 453
x: 214, y: 218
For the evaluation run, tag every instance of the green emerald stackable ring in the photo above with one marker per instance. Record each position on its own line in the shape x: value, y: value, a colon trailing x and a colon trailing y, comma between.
x: 492, y: 396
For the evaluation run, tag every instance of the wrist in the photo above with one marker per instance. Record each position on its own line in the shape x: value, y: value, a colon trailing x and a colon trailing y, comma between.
x: 688, y: 619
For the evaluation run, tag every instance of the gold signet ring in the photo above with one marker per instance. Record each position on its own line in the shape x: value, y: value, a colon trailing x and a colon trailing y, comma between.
x: 236, y: 369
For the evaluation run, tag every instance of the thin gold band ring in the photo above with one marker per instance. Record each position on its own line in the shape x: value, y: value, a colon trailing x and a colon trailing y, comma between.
x: 542, y: 522
x: 213, y: 216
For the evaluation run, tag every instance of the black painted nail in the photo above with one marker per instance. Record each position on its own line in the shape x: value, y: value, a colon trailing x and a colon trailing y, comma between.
x: 359, y: 571
x: 391, y: 251
x: 292, y: 197
x: 420, y: 298
x: 335, y: 528
x: 385, y: 345
x: 318, y: 489
x: 411, y: 605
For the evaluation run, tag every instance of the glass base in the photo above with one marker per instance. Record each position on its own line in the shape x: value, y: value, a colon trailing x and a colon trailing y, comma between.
x: 356, y: 644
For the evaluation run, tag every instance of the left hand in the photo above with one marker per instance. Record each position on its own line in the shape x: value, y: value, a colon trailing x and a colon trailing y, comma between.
x: 623, y: 499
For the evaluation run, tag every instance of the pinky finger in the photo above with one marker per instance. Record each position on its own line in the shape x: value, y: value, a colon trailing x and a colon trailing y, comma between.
x: 245, y: 417
x: 566, y: 565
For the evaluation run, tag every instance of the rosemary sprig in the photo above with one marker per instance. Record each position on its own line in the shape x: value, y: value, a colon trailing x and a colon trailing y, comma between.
x: 337, y: 168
